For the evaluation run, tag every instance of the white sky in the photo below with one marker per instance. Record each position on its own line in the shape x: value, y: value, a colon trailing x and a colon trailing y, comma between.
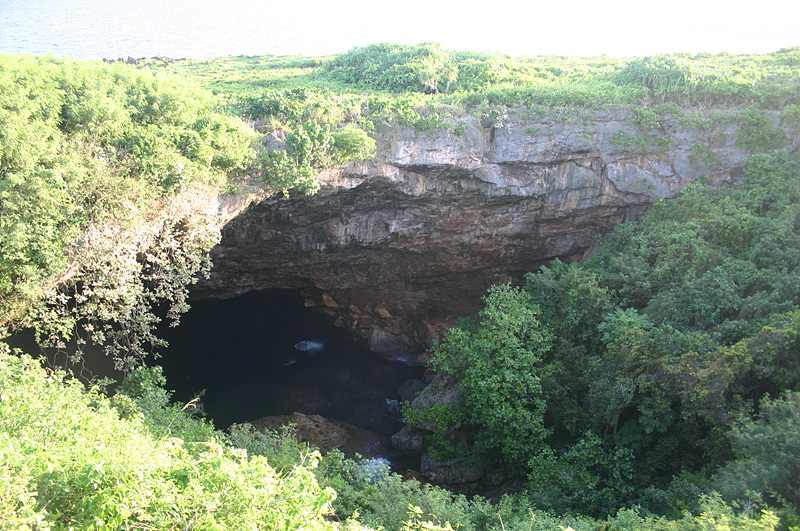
x: 583, y: 27
x: 213, y: 28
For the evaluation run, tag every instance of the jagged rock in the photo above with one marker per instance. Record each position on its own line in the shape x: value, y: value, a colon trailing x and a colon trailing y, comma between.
x: 328, y: 434
x: 420, y: 233
x: 409, y: 389
x: 449, y: 472
x: 409, y: 440
x: 328, y: 301
x: 275, y: 141
x: 441, y: 391
x: 385, y: 342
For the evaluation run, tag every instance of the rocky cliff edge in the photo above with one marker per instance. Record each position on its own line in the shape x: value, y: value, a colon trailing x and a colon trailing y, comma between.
x: 397, y: 248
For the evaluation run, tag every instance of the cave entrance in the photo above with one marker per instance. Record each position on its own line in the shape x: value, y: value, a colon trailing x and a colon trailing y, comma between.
x: 244, y: 353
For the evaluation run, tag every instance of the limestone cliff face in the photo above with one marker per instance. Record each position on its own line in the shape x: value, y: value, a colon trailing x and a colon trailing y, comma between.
x: 398, y: 248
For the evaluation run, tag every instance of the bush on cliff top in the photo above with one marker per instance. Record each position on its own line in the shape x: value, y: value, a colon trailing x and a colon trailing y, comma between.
x: 768, y: 81
x: 102, y: 176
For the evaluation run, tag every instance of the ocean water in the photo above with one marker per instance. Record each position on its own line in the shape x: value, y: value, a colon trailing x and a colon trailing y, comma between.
x: 197, y: 29
x: 200, y: 29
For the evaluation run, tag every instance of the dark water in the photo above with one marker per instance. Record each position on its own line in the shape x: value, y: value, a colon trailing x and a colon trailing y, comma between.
x: 242, y: 352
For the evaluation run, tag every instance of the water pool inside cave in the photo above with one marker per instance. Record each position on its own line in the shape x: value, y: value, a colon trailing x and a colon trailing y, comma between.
x: 241, y: 352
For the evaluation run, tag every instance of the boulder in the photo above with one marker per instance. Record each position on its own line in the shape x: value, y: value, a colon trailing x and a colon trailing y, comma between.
x: 439, y: 392
x: 390, y: 346
x: 328, y: 434
x: 410, y: 389
x: 450, y: 472
x: 409, y: 440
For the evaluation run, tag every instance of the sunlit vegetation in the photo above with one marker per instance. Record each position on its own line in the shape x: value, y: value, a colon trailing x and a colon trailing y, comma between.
x: 75, y: 459
x: 767, y: 81
x: 653, y: 373
x: 105, y: 174
x: 429, y: 81
x: 653, y: 387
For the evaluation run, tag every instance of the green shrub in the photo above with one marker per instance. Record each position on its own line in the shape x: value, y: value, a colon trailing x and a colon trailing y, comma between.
x: 767, y: 451
x: 791, y: 115
x: 310, y: 147
x: 496, y: 362
x: 397, y: 68
x: 626, y: 140
x: 702, y: 156
x: 757, y: 133
x: 88, y: 149
x: 367, y: 488
x: 660, y: 74
x: 281, y: 448
x: 587, y: 475
x: 351, y: 143
x: 70, y: 461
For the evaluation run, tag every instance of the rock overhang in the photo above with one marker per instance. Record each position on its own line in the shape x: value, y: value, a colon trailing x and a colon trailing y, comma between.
x: 397, y: 246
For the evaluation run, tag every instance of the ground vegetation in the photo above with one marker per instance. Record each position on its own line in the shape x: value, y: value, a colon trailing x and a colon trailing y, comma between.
x: 653, y: 387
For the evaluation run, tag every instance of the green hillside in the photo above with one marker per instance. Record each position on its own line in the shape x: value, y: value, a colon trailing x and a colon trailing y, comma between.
x: 655, y: 386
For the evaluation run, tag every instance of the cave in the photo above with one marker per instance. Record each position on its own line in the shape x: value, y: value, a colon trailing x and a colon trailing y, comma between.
x: 396, y: 249
x: 323, y: 304
x: 391, y: 252
x: 265, y: 353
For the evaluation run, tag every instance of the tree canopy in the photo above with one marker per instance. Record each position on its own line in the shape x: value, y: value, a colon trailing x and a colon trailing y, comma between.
x: 652, y: 387
x: 652, y: 362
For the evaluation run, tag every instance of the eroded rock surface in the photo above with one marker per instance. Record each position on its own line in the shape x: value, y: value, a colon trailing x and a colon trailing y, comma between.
x: 398, y: 248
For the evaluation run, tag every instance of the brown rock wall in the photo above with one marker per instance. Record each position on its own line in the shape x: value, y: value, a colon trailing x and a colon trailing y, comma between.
x: 417, y: 236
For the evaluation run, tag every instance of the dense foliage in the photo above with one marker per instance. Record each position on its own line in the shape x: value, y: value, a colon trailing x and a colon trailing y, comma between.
x: 768, y: 81
x: 493, y: 360
x: 395, y: 68
x: 73, y: 459
x: 104, y: 178
x: 653, y: 387
x: 660, y: 367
